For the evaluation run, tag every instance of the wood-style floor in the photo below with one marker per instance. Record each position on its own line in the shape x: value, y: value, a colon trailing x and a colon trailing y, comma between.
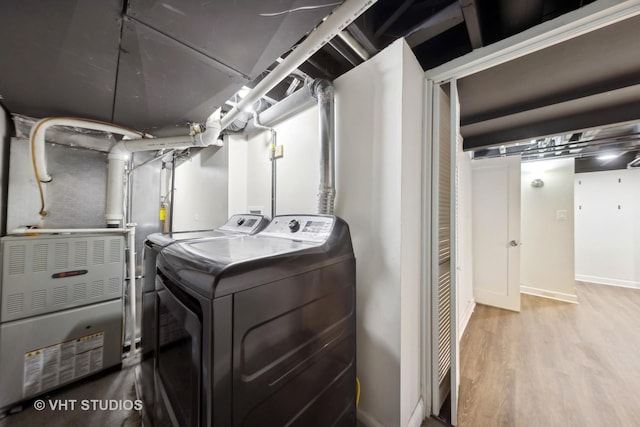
x: 554, y: 363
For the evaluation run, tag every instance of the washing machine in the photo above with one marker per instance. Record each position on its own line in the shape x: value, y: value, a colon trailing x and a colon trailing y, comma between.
x: 259, y: 330
x: 236, y: 225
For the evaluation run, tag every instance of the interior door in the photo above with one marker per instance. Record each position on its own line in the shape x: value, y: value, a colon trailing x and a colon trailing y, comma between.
x: 496, y: 232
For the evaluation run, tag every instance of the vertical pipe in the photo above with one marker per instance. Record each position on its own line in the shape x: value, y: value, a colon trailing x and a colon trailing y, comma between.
x: 272, y: 156
x: 129, y: 212
x: 272, y: 148
x: 132, y: 286
x: 115, y: 189
x: 173, y: 190
x: 323, y: 92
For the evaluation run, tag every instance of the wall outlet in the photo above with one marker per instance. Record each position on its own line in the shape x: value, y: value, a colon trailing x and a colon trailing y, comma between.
x: 561, y: 215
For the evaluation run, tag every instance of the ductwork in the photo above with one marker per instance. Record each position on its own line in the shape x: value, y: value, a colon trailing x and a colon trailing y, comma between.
x: 322, y: 90
x: 327, y: 30
x: 133, y: 141
x: 204, y: 135
x: 635, y: 163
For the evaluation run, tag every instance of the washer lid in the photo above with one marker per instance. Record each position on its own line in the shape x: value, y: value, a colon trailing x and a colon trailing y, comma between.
x: 240, y: 224
x: 214, y: 268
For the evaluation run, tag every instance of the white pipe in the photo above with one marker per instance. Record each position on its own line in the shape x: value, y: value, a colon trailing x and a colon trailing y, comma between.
x: 39, y: 130
x: 23, y: 230
x: 132, y: 285
x: 115, y: 191
x: 332, y: 26
x: 354, y: 45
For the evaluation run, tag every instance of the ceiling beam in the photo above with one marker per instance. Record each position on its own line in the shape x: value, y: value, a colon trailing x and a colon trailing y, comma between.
x: 393, y: 18
x: 361, y: 30
x: 437, y: 24
x: 616, y: 106
x: 470, y: 13
x: 568, y: 26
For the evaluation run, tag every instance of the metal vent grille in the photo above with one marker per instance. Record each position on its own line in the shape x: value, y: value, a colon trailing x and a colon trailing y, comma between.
x: 38, y: 299
x: 441, y: 253
x: 61, y: 259
x: 15, y: 303
x: 40, y: 258
x: 80, y: 258
x: 444, y: 249
x: 114, y: 285
x: 114, y: 251
x: 16, y: 260
x: 444, y: 327
x: 79, y: 292
x: 98, y: 252
x: 97, y: 288
x: 60, y: 295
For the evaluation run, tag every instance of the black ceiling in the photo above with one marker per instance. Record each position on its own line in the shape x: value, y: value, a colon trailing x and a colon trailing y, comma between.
x: 157, y: 65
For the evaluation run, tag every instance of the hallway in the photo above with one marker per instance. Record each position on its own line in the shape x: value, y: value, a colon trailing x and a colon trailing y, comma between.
x: 555, y: 363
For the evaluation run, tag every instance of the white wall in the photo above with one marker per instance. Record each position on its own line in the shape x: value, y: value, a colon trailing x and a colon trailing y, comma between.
x: 547, y: 230
x: 378, y: 170
x: 201, y: 191
x: 237, y: 146
x: 465, y: 301
x: 298, y: 172
x: 411, y: 201
x: 608, y: 237
x: 379, y: 116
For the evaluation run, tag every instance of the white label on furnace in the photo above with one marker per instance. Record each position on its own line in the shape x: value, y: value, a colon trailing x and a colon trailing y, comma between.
x: 57, y: 364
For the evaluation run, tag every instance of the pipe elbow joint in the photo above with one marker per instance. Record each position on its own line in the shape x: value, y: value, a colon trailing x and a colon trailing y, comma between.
x: 119, y: 151
x: 321, y: 89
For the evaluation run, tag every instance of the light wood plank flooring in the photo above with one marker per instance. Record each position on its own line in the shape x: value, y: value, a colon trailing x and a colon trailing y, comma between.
x: 554, y: 363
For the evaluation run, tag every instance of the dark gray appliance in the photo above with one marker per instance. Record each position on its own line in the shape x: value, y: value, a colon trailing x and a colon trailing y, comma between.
x: 259, y: 330
x: 236, y: 225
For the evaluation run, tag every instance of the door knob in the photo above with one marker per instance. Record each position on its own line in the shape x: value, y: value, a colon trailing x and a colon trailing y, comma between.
x: 513, y: 243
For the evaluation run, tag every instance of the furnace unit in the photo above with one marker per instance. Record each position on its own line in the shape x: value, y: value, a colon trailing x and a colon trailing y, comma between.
x: 61, y: 317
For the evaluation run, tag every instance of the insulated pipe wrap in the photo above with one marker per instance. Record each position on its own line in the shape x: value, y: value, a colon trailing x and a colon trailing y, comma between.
x: 115, y: 190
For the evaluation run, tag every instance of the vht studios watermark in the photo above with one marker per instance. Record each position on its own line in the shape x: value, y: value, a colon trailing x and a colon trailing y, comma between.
x: 87, y: 405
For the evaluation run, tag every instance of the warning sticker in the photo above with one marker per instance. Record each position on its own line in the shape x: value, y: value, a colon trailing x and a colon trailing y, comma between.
x: 48, y: 367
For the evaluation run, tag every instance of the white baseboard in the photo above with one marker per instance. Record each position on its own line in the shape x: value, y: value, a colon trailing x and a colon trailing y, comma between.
x: 367, y: 419
x: 418, y: 415
x: 414, y: 421
x: 466, y: 316
x: 559, y: 296
x: 608, y: 281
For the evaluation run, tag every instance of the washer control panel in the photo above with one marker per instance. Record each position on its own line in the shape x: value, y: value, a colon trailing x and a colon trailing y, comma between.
x: 243, y: 223
x: 308, y: 228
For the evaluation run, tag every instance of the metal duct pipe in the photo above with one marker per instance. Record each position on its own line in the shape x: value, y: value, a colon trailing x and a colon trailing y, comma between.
x: 327, y: 30
x: 323, y: 91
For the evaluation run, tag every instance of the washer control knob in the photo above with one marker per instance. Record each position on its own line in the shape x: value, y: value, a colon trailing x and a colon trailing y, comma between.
x: 294, y: 225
